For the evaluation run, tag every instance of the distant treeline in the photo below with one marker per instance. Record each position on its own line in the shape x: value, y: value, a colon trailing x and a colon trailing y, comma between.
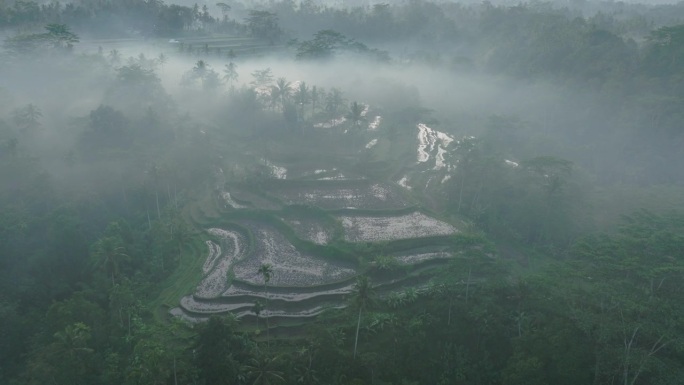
x: 108, y: 17
x: 628, y: 50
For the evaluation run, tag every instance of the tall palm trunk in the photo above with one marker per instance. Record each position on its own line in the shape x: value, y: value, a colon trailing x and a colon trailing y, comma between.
x: 460, y: 194
x: 125, y: 198
x: 356, y: 339
x: 268, y: 328
x: 175, y: 374
x: 468, y: 284
x: 449, y: 314
x: 175, y: 194
x: 156, y: 196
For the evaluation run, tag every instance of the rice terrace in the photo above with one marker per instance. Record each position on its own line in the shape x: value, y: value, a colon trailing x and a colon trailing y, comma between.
x: 318, y: 223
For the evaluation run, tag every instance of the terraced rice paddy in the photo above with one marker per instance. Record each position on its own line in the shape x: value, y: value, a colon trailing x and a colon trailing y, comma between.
x: 412, y: 259
x: 377, y: 229
x: 374, y: 123
x: 290, y: 267
x: 403, y: 182
x: 228, y: 199
x: 290, y: 295
x: 321, y: 174
x: 334, y: 174
x: 301, y: 285
x: 278, y: 172
x: 432, y: 144
x: 261, y: 229
x: 331, y: 123
x: 190, y: 303
x: 214, y: 253
x: 218, y: 264
x: 335, y: 196
x: 311, y: 230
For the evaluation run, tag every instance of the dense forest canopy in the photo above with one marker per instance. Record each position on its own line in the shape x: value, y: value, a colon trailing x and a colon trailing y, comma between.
x: 541, y: 144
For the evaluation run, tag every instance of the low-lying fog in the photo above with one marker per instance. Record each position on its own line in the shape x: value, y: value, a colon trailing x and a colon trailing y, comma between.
x: 458, y: 102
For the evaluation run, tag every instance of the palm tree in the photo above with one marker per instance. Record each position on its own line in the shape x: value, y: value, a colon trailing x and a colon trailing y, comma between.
x: 110, y: 254
x: 224, y: 10
x: 154, y: 172
x: 162, y: 59
x: 355, y: 114
x: 211, y: 80
x: 257, y: 309
x: 11, y: 146
x: 32, y: 112
x: 74, y: 339
x: 266, y: 271
x: 200, y: 68
x: 263, y: 371
x: 28, y: 117
x: 315, y: 97
x: 166, y: 171
x: 333, y: 100
x: 363, y: 292
x: 305, y: 373
x: 466, y: 148
x: 70, y: 353
x: 281, y: 91
x: 230, y: 72
x: 302, y: 97
x: 521, y: 320
x: 143, y: 62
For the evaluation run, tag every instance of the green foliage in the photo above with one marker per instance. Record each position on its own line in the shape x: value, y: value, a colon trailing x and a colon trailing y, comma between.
x: 263, y: 370
x: 355, y: 114
x: 538, y: 200
x: 27, y: 118
x: 67, y: 359
x: 264, y: 24
x: 91, y: 259
x: 664, y: 55
x: 262, y: 77
x: 107, y: 128
x: 230, y: 73
x: 326, y: 43
x: 221, y: 352
x: 622, y: 285
x: 323, y: 45
x: 137, y: 90
x: 110, y: 254
x: 58, y: 37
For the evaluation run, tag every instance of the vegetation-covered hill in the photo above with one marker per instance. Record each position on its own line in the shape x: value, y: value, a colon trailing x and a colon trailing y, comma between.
x: 404, y: 193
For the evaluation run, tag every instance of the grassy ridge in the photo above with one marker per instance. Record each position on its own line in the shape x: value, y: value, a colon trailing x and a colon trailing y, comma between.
x: 183, y: 280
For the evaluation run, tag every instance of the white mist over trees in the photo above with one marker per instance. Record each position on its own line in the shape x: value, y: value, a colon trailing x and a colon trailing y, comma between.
x: 473, y: 193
